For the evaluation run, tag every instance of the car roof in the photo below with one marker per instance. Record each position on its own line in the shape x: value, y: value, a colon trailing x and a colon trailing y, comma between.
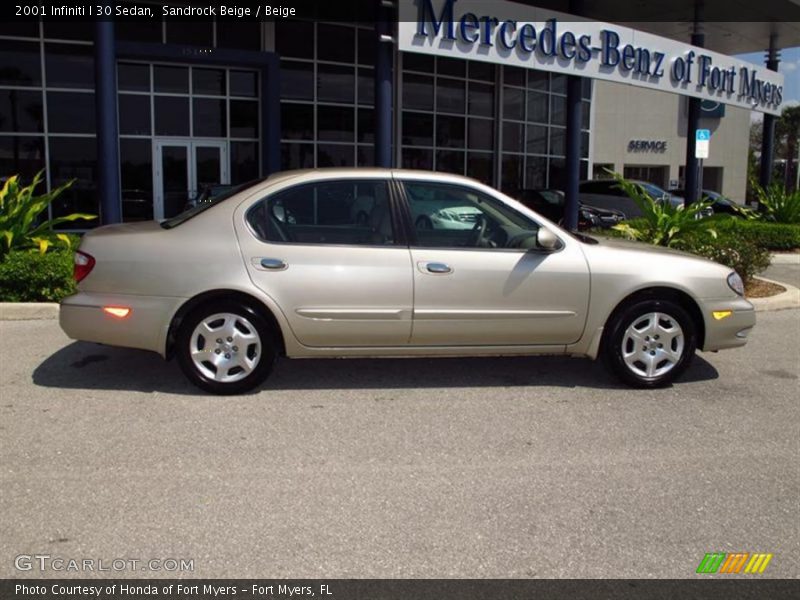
x: 371, y: 172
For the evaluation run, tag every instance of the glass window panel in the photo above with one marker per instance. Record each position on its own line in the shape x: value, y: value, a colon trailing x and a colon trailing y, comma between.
x: 336, y: 83
x: 297, y: 80
x: 538, y: 80
x: 22, y: 111
x: 586, y: 88
x: 136, y: 173
x: 244, y: 118
x: 513, y: 103
x: 450, y: 161
x: 244, y: 161
x: 335, y: 123
x: 366, y: 125
x: 171, y: 115
x: 417, y: 92
x: 514, y: 76
x: 208, y: 81
x: 294, y: 38
x: 450, y: 132
x: 365, y: 156
x: 335, y: 155
x: 481, y: 70
x: 558, y: 108
x: 585, y: 114
x: 557, y: 174
x: 209, y: 117
x: 238, y: 34
x: 585, y: 144
x: 20, y: 63
x: 417, y: 62
x: 74, y: 158
x: 69, y: 112
x: 480, y: 166
x: 336, y: 43
x: 190, y: 32
x: 512, y: 174
x: 481, y: 99
x: 134, y: 114
x: 512, y: 136
x: 417, y: 129
x: 175, y: 179
x: 557, y: 138
x: 451, y: 66
x: 297, y: 121
x: 481, y: 134
x: 536, y: 142
x: 417, y: 158
x: 584, y: 170
x: 536, y: 173
x: 537, y: 107
x: 133, y: 30
x: 558, y: 83
x: 244, y: 83
x: 171, y: 79
x: 21, y: 155
x: 20, y: 28
x: 366, y: 46
x: 297, y: 156
x: 366, y: 86
x: 69, y: 66
x: 133, y: 77
x: 450, y: 96
x: 69, y: 29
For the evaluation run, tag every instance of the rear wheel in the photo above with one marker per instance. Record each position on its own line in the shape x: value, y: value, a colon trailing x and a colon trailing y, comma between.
x: 649, y: 343
x: 225, y: 348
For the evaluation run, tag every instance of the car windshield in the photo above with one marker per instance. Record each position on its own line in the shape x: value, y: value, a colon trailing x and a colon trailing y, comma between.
x: 655, y: 191
x: 203, y: 206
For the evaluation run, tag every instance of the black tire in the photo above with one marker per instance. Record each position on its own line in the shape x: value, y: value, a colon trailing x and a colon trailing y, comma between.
x: 243, y: 317
x: 670, y: 357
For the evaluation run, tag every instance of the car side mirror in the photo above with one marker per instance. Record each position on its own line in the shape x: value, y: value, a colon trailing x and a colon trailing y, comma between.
x: 546, y: 239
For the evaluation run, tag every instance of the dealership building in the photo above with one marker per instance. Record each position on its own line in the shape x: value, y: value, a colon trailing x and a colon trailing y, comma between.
x: 147, y: 113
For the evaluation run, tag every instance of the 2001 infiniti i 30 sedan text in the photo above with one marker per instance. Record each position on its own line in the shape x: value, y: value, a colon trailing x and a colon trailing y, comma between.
x: 328, y: 263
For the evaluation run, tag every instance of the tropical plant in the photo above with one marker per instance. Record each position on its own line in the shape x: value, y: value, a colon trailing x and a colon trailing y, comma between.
x: 777, y: 203
x: 663, y: 224
x: 732, y: 250
x: 27, y: 276
x: 21, y: 225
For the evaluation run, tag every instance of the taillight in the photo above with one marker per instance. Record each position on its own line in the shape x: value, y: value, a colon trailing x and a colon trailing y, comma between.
x: 84, y: 263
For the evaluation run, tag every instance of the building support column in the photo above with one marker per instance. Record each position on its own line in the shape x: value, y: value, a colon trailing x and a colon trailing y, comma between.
x: 768, y: 130
x: 105, y: 65
x: 573, y: 141
x: 691, y: 173
x: 270, y: 116
x: 383, y: 86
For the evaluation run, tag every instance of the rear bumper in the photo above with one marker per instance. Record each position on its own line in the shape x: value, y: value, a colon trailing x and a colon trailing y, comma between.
x: 82, y: 318
x: 731, y: 331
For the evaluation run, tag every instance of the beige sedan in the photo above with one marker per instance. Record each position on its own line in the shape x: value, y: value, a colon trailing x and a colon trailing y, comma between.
x: 330, y: 263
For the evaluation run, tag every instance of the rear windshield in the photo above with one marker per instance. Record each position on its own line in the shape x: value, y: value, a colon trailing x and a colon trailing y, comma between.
x: 203, y: 206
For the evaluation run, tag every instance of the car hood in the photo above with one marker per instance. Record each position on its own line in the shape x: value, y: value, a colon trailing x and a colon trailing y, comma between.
x: 634, y: 246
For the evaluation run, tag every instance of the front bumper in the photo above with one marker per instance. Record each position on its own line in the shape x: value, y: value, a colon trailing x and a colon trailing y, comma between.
x: 731, y: 331
x: 82, y: 318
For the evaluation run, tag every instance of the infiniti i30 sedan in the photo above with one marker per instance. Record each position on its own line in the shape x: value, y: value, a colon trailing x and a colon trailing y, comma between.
x: 265, y: 270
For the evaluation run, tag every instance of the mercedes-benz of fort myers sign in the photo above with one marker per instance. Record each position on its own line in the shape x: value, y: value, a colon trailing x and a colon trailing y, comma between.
x: 521, y: 35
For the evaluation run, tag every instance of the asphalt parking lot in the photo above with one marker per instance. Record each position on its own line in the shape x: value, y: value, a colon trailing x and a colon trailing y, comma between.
x: 513, y: 467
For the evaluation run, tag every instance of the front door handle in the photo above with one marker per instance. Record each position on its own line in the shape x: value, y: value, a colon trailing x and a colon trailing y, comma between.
x: 438, y: 268
x: 273, y: 264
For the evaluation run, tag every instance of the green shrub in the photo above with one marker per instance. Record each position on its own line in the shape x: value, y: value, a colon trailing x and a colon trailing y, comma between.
x: 732, y: 250
x: 28, y: 276
x: 772, y: 236
x: 21, y: 225
x: 778, y: 204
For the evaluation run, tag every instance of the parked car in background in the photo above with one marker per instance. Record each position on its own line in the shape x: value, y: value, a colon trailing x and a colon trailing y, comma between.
x: 550, y: 204
x: 606, y: 194
x: 721, y: 204
x: 232, y: 284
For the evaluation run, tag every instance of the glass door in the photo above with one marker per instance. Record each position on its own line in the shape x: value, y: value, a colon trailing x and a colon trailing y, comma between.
x: 185, y: 172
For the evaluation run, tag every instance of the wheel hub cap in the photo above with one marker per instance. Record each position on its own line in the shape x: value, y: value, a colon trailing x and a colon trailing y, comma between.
x: 652, y: 345
x: 225, y: 347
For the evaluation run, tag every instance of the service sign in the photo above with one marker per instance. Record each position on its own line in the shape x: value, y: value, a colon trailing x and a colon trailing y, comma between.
x: 525, y: 36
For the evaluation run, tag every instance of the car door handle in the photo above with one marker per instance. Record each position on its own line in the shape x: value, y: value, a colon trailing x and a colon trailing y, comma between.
x: 273, y: 264
x: 438, y: 268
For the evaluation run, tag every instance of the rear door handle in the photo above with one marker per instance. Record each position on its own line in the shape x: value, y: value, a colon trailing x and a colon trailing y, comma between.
x: 438, y: 268
x: 273, y: 264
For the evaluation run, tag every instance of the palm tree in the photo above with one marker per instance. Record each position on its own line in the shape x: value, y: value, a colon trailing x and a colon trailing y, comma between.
x: 787, y: 135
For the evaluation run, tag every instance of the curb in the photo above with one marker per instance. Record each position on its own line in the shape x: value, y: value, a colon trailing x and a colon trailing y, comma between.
x: 785, y: 259
x: 28, y: 311
x: 788, y: 299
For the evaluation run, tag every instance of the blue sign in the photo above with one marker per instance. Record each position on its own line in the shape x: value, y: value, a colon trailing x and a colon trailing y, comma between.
x: 703, y: 135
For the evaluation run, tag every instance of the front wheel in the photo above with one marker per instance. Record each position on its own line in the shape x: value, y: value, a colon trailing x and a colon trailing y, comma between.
x: 649, y: 343
x: 225, y: 348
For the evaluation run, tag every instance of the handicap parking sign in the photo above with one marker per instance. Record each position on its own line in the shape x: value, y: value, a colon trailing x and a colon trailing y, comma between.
x: 702, y: 138
x: 703, y: 135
